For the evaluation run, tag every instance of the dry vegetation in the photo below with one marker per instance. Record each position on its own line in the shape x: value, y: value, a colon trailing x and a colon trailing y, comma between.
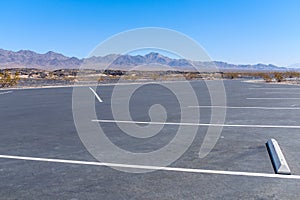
x: 7, y: 79
x: 37, y: 77
x: 267, y: 76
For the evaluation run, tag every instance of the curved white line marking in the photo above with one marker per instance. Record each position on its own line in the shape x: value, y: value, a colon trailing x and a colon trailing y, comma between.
x: 95, y: 93
x: 145, y: 167
x: 195, y: 124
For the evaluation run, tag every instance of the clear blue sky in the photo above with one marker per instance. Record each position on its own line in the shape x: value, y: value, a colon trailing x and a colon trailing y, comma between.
x: 236, y: 31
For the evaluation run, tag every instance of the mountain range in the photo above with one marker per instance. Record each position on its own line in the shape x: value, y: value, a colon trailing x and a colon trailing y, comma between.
x: 152, y: 61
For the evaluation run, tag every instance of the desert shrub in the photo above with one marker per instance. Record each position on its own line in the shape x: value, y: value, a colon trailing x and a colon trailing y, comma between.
x: 190, y: 76
x: 266, y: 76
x: 101, y: 79
x: 132, y: 77
x: 154, y: 77
x: 69, y: 79
x: 231, y: 75
x: 8, y: 80
x: 279, y: 77
x: 292, y: 74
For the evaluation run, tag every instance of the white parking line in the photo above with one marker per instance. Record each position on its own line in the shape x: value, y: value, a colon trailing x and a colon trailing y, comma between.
x: 281, y: 93
x: 274, y: 88
x: 143, y: 83
x: 145, y: 167
x: 236, y: 107
x: 256, y: 98
x: 6, y: 92
x: 95, y: 93
x: 195, y: 124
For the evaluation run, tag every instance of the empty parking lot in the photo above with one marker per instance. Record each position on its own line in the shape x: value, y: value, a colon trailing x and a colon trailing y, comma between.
x: 38, y: 123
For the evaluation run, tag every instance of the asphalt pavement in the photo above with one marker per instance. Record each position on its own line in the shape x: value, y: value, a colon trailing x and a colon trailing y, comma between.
x: 39, y: 123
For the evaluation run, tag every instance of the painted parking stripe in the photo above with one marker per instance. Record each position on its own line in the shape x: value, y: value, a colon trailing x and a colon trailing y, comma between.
x: 145, y: 167
x: 237, y: 107
x: 144, y: 83
x: 6, y: 92
x: 195, y: 124
x: 281, y: 93
x: 257, y: 98
x: 95, y: 93
x: 275, y: 88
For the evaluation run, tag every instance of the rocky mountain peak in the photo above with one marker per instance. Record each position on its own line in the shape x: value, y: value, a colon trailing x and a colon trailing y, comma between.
x: 52, y: 60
